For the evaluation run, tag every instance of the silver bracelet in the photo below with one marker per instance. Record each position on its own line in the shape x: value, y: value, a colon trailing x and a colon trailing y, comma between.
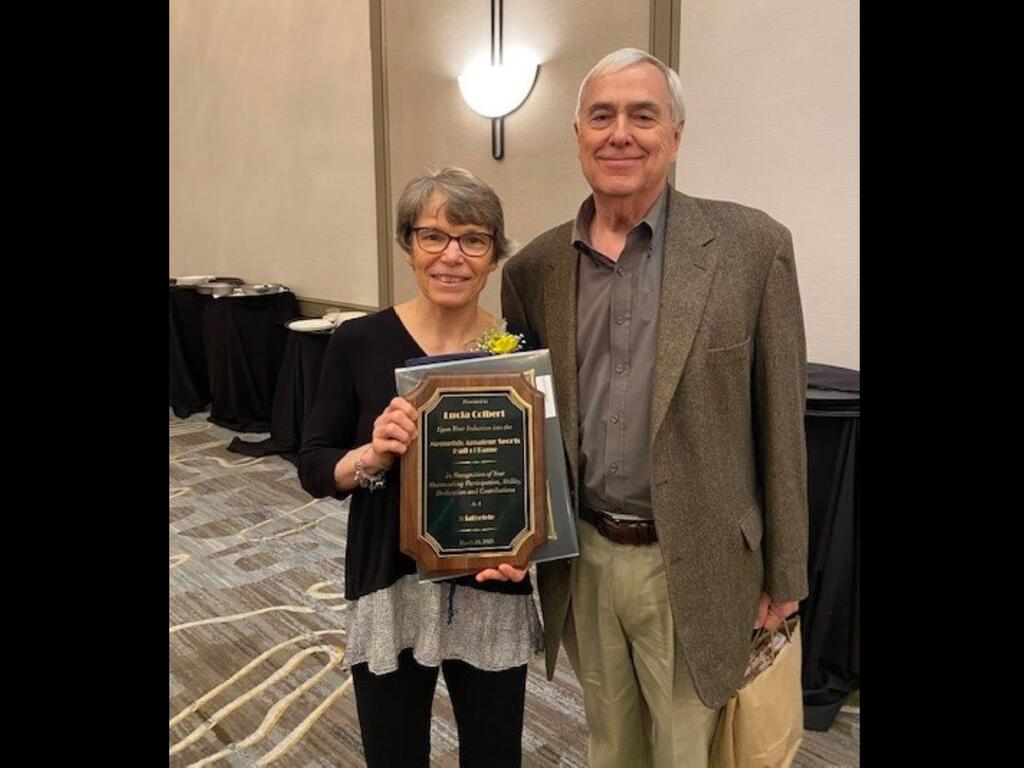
x: 370, y: 482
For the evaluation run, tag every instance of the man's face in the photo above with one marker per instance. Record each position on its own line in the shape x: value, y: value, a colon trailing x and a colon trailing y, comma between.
x: 625, y: 134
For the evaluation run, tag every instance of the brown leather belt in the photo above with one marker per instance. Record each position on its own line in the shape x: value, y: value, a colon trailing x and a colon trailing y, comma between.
x: 634, y: 532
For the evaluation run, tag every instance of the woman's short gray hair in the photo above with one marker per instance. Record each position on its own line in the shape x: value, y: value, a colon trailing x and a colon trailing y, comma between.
x: 468, y: 199
x: 618, y: 60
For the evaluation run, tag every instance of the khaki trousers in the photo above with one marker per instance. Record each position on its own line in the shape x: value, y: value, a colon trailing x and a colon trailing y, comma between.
x: 641, y: 706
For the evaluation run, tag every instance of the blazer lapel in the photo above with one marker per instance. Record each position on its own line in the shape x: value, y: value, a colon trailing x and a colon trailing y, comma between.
x: 687, y: 274
x: 560, y: 313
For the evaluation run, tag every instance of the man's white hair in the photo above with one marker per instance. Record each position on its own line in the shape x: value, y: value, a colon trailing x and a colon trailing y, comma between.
x: 618, y: 60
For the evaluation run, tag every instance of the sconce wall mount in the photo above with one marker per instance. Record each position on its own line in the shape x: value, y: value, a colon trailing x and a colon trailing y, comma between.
x: 500, y: 87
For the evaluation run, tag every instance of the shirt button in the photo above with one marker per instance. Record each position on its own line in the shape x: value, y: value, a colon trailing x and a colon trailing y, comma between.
x: 620, y: 320
x: 621, y: 271
x: 619, y: 368
x: 615, y: 418
x: 613, y: 468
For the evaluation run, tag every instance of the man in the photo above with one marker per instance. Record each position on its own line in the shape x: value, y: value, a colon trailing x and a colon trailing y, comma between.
x: 677, y: 344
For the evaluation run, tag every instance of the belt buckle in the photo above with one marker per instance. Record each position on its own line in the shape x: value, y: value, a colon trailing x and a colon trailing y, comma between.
x: 619, y: 531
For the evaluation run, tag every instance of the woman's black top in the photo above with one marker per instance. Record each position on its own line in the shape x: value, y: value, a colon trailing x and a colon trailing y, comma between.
x: 356, y: 385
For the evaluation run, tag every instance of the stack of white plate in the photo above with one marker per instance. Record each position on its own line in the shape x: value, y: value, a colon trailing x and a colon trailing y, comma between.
x: 337, y: 318
x: 312, y: 325
x: 328, y: 322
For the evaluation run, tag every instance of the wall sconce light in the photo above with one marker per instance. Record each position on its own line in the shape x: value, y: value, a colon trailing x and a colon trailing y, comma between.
x: 500, y: 87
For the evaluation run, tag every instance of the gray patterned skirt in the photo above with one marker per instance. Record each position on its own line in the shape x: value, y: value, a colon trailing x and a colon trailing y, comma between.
x: 439, y: 622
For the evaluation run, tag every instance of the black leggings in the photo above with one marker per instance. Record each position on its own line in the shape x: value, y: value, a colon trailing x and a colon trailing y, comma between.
x: 394, y: 713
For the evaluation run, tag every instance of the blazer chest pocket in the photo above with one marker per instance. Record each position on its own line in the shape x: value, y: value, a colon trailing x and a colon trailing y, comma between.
x: 732, y: 353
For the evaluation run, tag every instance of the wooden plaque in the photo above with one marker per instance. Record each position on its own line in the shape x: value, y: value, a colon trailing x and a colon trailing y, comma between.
x: 474, y: 479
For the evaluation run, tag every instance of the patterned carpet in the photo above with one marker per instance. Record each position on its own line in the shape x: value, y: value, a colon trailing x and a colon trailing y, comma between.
x: 257, y: 629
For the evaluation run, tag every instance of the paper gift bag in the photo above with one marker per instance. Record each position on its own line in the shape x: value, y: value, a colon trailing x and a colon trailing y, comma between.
x: 762, y: 724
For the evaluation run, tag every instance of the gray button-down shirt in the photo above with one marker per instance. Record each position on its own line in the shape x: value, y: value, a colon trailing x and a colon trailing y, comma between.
x: 616, y: 337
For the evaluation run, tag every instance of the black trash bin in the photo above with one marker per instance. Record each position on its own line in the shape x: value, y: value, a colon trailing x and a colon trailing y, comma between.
x: 830, y: 615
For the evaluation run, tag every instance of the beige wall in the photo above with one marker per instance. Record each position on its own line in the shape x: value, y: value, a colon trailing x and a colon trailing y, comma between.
x: 271, y: 131
x: 773, y: 111
x: 539, y: 180
x: 271, y: 144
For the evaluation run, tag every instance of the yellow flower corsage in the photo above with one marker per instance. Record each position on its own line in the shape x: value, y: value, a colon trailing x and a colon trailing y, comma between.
x: 498, y: 341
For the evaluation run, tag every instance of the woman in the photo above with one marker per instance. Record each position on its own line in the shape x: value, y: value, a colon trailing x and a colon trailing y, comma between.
x: 481, y: 630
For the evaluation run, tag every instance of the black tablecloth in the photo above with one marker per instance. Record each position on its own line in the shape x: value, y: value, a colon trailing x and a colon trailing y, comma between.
x: 245, y: 338
x: 830, y: 615
x: 190, y: 384
x: 296, y: 388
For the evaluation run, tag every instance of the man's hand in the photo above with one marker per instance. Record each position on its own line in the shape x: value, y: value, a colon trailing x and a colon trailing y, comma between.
x: 770, y: 614
x: 504, y: 572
